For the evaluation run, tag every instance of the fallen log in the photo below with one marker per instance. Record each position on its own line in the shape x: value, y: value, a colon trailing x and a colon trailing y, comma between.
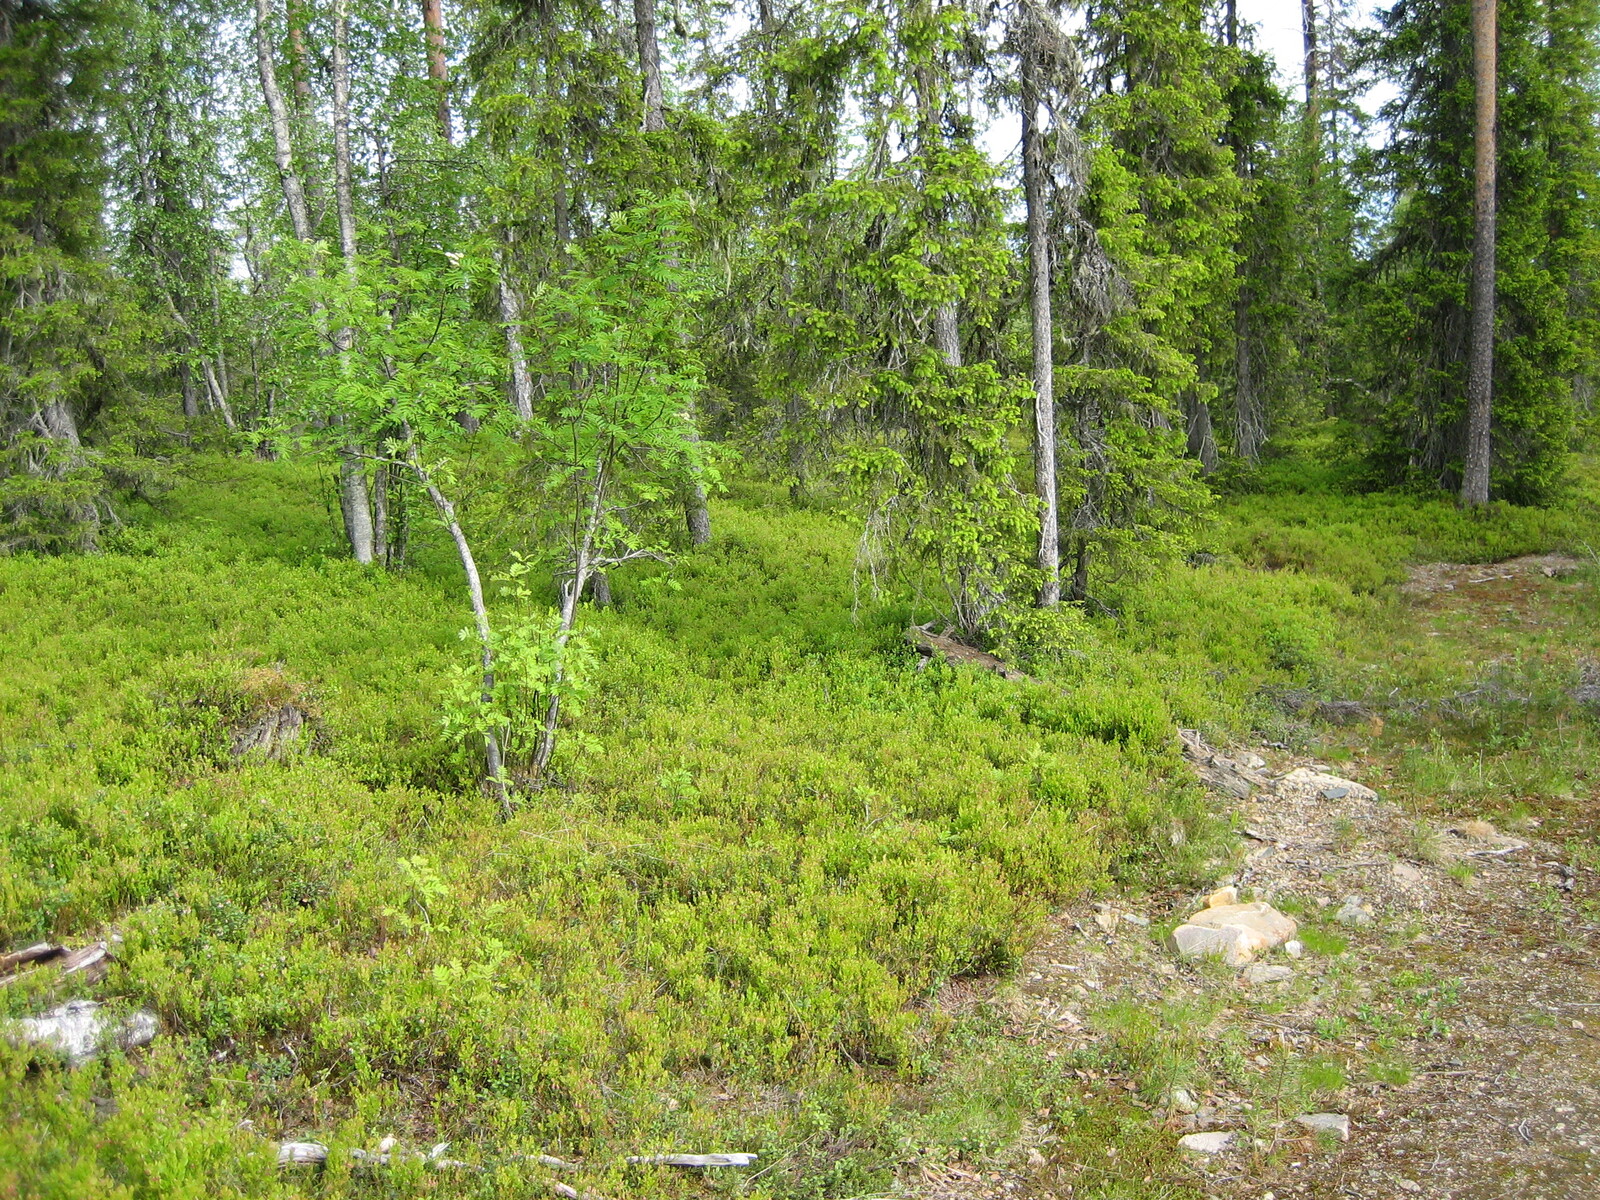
x: 933, y: 645
x: 79, y: 1030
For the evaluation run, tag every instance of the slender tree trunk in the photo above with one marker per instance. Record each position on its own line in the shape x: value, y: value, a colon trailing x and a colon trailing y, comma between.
x: 1480, y: 361
x: 1202, y: 442
x: 511, y: 319
x: 1044, y: 393
x: 493, y: 762
x: 571, y: 593
x: 1248, y: 425
x: 438, y: 65
x: 1313, y: 61
x: 354, y: 498
x: 1247, y: 417
x: 644, y: 26
x: 219, y: 396
x: 299, y: 57
x: 294, y: 194
x: 191, y: 403
x: 696, y: 514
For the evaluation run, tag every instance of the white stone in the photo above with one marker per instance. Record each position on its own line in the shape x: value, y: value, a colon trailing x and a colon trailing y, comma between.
x: 1354, y: 911
x: 1214, y: 1142
x: 1294, y: 948
x: 1259, y: 973
x: 1183, y: 1101
x: 1305, y: 784
x: 1136, y: 919
x: 1223, y: 895
x: 78, y: 1031
x: 1335, y: 1123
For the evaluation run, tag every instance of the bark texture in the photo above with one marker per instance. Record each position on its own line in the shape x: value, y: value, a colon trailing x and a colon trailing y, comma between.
x: 1480, y: 355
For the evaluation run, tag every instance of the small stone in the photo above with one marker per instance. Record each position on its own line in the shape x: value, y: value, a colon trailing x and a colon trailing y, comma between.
x: 1260, y: 973
x: 1294, y: 948
x: 1223, y: 895
x: 1354, y: 911
x: 1335, y: 1123
x: 1107, y: 920
x: 1206, y: 1143
x: 1182, y: 1101
x: 1254, y: 761
x: 1136, y: 919
x: 1408, y: 1185
x: 1305, y: 784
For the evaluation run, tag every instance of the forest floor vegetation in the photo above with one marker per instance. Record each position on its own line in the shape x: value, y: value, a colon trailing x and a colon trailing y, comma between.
x: 773, y: 899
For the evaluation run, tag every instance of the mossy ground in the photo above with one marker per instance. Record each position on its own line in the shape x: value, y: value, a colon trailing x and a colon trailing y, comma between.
x: 726, y: 927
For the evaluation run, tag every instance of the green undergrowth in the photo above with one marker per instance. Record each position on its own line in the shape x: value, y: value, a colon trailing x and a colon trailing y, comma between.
x: 725, y: 926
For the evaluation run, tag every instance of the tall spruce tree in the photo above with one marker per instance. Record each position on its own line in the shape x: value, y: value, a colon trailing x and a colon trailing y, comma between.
x: 65, y: 331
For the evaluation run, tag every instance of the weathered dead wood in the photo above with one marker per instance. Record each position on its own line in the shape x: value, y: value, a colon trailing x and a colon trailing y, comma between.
x: 79, y: 1030
x: 41, y: 952
x: 958, y: 654
x: 271, y: 735
x: 91, y: 961
x: 1218, y: 771
x: 693, y: 1160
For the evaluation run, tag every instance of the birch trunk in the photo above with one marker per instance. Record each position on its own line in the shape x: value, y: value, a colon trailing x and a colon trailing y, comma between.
x: 354, y: 498
x: 354, y: 504
x: 570, y: 595
x: 511, y: 319
x: 1480, y: 360
x: 493, y: 762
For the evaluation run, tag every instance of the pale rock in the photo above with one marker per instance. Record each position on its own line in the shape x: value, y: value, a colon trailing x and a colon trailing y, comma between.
x: 1260, y: 973
x: 78, y: 1031
x: 1223, y: 895
x: 1182, y: 1101
x: 1354, y: 911
x: 1335, y: 1123
x: 1198, y: 941
x: 1254, y: 761
x: 1234, y: 932
x: 1294, y: 948
x: 1136, y: 919
x: 1214, y: 1142
x: 1305, y: 784
x: 1406, y: 875
x: 1107, y: 920
x: 1408, y: 1185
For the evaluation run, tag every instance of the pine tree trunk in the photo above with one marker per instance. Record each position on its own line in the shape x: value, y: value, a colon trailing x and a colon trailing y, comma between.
x: 438, y: 67
x: 1044, y: 397
x: 1480, y: 361
x: 511, y: 319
